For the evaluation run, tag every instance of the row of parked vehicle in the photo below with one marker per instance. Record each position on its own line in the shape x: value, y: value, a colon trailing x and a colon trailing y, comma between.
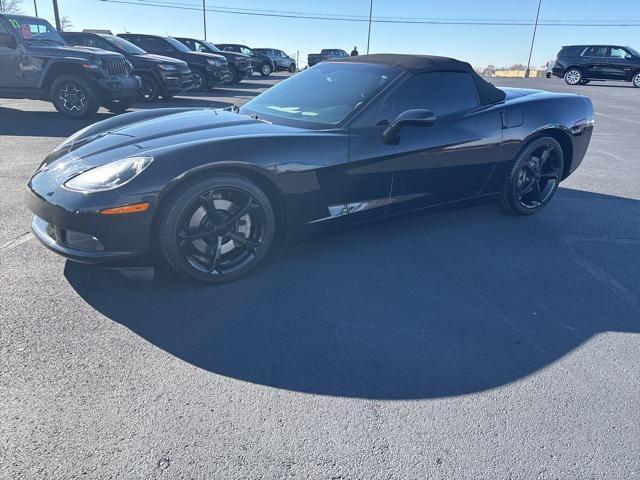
x: 80, y: 71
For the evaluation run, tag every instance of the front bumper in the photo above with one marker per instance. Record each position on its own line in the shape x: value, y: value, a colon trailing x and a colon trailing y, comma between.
x: 218, y: 75
x: 74, y: 228
x: 174, y: 82
x: 120, y: 87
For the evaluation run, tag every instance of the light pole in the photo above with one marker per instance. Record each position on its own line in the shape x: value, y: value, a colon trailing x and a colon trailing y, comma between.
x: 35, y: 7
x: 56, y: 14
x: 204, y: 18
x: 369, y: 35
x: 535, y: 28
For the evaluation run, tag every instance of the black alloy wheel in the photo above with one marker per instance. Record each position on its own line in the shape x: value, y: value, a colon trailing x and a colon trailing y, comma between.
x: 217, y: 229
x: 149, y: 90
x: 534, y: 177
x: 636, y: 80
x: 74, y: 97
x: 199, y: 80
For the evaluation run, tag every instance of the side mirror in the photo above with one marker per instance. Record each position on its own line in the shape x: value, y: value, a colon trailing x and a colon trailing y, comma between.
x: 8, y: 40
x: 414, y: 117
x: 628, y: 56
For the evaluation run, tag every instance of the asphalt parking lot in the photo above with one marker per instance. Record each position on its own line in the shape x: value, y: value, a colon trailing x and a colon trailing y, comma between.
x: 466, y: 344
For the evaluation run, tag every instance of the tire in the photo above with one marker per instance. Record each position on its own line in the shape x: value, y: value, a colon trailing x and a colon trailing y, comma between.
x: 292, y: 68
x: 74, y: 97
x: 119, y: 106
x: 636, y: 80
x: 149, y: 90
x: 548, y: 74
x: 235, y: 77
x: 199, y: 80
x: 235, y: 248
x: 265, y: 70
x: 573, y: 76
x: 534, y: 177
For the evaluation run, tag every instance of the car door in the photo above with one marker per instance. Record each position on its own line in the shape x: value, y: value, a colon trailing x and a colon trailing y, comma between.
x: 10, y: 67
x: 594, y: 62
x: 618, y: 65
x: 449, y: 161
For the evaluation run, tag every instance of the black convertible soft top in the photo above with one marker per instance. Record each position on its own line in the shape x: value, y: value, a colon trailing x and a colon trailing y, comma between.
x: 415, y: 64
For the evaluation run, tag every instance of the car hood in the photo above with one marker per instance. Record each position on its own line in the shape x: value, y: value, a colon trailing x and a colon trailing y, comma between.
x: 168, y: 131
x: 150, y: 57
x: 69, y: 51
x: 201, y: 57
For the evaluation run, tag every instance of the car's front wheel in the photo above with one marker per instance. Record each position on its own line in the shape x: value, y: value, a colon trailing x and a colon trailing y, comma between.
x: 216, y: 229
x: 149, y: 90
x: 265, y: 70
x: 534, y: 178
x: 74, y: 97
x: 292, y: 68
x: 573, y: 76
x: 636, y: 80
x: 119, y: 106
x: 199, y: 80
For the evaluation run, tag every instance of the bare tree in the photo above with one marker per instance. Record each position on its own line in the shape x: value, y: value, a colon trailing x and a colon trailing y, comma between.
x: 65, y: 23
x: 10, y: 6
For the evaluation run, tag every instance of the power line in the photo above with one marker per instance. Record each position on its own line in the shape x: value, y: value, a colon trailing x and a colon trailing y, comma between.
x: 389, y: 20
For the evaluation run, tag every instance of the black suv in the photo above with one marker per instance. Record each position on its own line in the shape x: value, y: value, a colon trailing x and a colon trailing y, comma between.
x: 579, y: 64
x: 161, y: 76
x: 239, y: 63
x: 281, y: 60
x: 260, y: 63
x: 36, y: 63
x: 208, y: 69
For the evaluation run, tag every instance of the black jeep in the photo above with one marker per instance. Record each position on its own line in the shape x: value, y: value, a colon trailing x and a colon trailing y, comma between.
x: 161, y: 76
x: 36, y: 63
x: 579, y: 64
x: 208, y: 69
x: 260, y: 63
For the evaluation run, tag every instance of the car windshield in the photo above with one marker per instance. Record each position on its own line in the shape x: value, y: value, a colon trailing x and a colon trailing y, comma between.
x: 33, y: 30
x: 211, y: 46
x: 123, y: 45
x: 246, y: 50
x: 634, y: 51
x: 181, y: 47
x: 323, y: 95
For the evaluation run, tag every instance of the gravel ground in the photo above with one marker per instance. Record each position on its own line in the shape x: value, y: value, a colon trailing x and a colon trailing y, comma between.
x: 466, y: 344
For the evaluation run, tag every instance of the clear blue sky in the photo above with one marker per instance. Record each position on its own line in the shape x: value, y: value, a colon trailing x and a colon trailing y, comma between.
x: 479, y: 45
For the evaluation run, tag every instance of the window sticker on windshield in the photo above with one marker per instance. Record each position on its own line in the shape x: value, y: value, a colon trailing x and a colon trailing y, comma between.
x: 26, y: 32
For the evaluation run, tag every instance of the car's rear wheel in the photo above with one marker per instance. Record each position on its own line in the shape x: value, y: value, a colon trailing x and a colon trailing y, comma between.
x: 149, y: 90
x: 74, y: 97
x: 216, y: 229
x: 636, y: 80
x: 534, y: 178
x: 265, y: 70
x: 573, y: 76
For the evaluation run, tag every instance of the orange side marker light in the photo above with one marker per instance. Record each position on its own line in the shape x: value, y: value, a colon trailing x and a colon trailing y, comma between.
x: 134, y: 208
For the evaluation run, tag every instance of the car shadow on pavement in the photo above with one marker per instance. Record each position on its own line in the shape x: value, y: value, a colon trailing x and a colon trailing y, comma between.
x: 433, y: 306
x: 16, y: 122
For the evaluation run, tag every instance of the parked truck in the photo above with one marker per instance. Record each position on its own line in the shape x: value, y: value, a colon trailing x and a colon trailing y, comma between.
x: 325, y: 54
x: 36, y: 63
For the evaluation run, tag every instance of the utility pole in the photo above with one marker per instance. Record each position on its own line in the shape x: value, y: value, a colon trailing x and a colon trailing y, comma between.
x: 204, y: 18
x: 533, y: 40
x: 56, y: 13
x: 35, y: 6
x: 369, y: 35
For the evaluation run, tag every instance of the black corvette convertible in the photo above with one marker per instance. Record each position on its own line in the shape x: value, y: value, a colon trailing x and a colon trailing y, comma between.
x: 344, y: 142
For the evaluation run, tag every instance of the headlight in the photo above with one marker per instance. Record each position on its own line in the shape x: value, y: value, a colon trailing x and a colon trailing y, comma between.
x: 109, y: 176
x: 214, y: 62
x: 168, y: 67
